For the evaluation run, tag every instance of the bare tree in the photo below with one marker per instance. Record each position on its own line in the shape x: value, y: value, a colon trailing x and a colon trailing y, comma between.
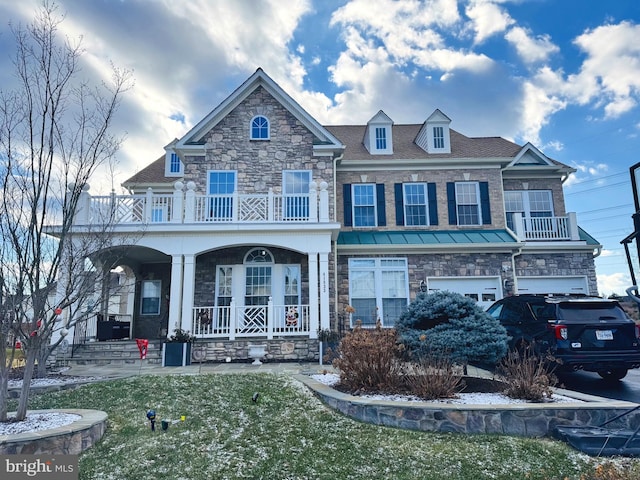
x: 54, y: 135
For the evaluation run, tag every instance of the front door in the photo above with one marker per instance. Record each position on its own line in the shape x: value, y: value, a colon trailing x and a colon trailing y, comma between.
x: 258, y: 279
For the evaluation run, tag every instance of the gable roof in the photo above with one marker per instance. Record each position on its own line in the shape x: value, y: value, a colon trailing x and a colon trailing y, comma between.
x: 195, y: 136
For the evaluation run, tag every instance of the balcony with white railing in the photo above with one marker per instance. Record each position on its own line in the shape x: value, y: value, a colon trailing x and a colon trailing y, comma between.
x: 184, y: 205
x: 247, y: 321
x: 546, y: 229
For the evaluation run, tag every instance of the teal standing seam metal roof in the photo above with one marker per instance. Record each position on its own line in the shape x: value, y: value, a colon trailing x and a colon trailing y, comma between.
x: 439, y: 237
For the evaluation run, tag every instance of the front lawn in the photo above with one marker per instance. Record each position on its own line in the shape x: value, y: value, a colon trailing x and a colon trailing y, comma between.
x: 287, y: 434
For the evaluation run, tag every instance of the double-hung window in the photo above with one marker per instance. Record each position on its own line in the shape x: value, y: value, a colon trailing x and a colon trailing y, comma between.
x: 381, y: 138
x: 222, y: 185
x: 415, y: 204
x: 150, y: 297
x: 530, y: 203
x: 295, y: 186
x: 260, y: 128
x: 438, y: 137
x: 364, y: 205
x: 468, y: 203
x: 174, y: 163
x: 378, y: 289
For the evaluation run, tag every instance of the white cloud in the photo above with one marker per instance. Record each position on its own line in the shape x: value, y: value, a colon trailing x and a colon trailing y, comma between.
x: 406, y: 32
x: 531, y: 50
x: 610, y: 75
x: 613, y: 283
x: 539, y: 103
x: 587, y: 172
x: 487, y: 19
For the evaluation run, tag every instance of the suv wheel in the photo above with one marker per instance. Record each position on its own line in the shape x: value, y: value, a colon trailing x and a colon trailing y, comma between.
x: 613, y: 373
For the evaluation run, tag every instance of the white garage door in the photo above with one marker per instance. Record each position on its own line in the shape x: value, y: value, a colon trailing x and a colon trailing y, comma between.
x: 485, y: 290
x: 553, y: 285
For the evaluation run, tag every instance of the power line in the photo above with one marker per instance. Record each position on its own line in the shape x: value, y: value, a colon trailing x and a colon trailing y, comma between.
x: 582, y: 182
x: 586, y: 212
x: 626, y: 182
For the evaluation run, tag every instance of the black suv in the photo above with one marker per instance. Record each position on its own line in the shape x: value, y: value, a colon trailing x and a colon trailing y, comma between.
x: 584, y: 333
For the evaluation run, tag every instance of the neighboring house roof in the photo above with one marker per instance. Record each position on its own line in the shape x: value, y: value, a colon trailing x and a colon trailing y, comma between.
x: 151, y: 174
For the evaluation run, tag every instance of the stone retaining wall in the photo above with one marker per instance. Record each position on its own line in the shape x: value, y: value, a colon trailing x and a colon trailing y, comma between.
x: 301, y: 349
x: 70, y: 439
x: 524, y: 419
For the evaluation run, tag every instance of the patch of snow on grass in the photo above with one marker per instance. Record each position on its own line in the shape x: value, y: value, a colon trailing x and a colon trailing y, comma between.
x: 331, y: 379
x: 36, y: 422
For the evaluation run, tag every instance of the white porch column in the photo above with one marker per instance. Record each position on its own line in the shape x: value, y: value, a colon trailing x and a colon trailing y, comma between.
x: 188, y: 284
x: 324, y: 291
x: 313, y: 295
x: 82, y: 214
x: 175, y: 293
x: 574, y: 232
x: 324, y: 202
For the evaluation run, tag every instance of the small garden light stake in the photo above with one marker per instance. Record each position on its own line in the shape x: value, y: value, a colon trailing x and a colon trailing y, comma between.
x: 151, y: 415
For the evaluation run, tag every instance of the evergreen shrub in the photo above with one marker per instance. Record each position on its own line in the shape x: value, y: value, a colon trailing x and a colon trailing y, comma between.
x: 447, y: 323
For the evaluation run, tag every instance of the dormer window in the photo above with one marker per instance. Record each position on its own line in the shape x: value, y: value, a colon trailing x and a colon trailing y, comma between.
x: 377, y: 137
x: 438, y: 137
x: 435, y: 135
x: 173, y: 165
x: 260, y: 128
x: 381, y: 138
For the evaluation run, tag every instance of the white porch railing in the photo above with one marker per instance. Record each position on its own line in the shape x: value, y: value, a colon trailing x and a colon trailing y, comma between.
x: 250, y: 321
x: 546, y: 228
x: 185, y: 206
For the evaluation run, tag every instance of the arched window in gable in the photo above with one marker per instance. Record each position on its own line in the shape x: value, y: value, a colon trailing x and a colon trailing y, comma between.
x: 260, y: 128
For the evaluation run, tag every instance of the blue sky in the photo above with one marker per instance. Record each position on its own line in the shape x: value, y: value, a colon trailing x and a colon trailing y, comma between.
x: 561, y: 74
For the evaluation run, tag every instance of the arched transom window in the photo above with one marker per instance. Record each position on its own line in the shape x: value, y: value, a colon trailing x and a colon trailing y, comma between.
x: 259, y: 255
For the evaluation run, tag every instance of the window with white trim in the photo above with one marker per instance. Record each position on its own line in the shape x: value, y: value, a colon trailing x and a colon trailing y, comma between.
x: 378, y: 289
x: 468, y: 203
x: 438, y: 137
x: 416, y: 211
x: 174, y: 163
x: 531, y: 203
x: 150, y: 297
x: 222, y: 185
x: 364, y: 205
x: 295, y: 187
x: 381, y: 138
x: 260, y: 128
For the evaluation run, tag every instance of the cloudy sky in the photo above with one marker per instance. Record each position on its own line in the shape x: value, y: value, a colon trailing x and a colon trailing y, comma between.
x: 562, y: 74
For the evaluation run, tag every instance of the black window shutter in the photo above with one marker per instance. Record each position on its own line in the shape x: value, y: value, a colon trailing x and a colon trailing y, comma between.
x: 484, y: 203
x: 399, y: 204
x: 433, y: 203
x: 348, y: 212
x: 382, y: 214
x: 451, y: 201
